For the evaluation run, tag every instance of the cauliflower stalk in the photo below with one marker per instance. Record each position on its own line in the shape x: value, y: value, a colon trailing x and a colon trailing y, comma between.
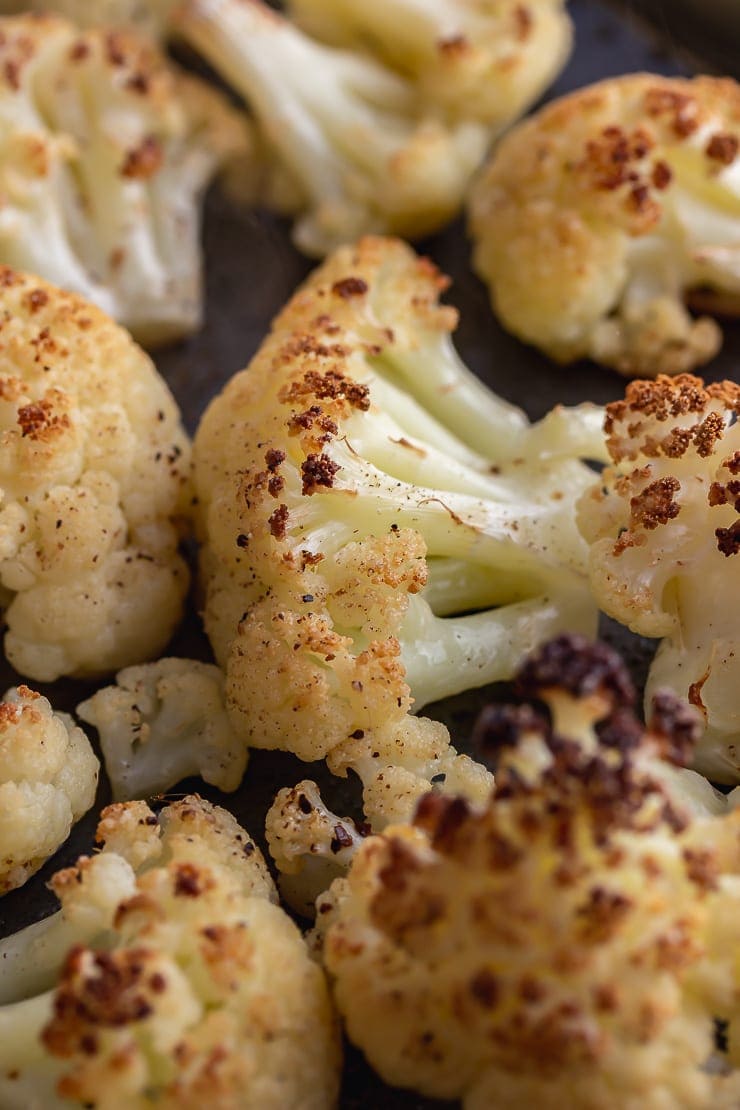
x: 106, y: 151
x: 570, y: 942
x: 597, y: 217
x: 93, y: 481
x: 48, y: 778
x: 199, y: 988
x: 663, y: 527
x: 163, y: 722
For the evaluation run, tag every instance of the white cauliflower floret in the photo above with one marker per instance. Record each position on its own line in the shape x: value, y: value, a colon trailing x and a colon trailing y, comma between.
x: 664, y: 532
x: 200, y: 991
x: 93, y: 480
x: 596, y: 218
x: 570, y: 942
x: 48, y: 778
x: 366, y: 152
x: 163, y: 722
x: 473, y: 59
x: 105, y: 151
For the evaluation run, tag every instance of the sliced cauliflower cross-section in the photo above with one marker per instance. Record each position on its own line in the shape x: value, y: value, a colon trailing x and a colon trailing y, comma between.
x: 48, y: 777
x: 93, y: 481
x: 597, y: 217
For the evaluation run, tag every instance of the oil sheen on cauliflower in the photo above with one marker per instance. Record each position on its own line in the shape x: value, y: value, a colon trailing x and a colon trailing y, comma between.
x: 570, y: 942
x: 358, y: 555
x: 596, y: 218
x: 93, y: 480
x: 48, y: 778
x: 196, y: 990
x: 664, y: 528
x: 163, y: 722
x: 105, y: 151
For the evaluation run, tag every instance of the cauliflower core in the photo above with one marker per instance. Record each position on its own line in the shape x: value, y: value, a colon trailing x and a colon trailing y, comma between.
x: 595, y: 218
x: 570, y: 942
x: 105, y: 151
x: 48, y: 778
x: 93, y: 477
x: 200, y: 991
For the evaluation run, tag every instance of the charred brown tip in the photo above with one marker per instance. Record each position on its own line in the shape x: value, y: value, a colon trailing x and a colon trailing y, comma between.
x: 579, y: 666
x: 676, y: 725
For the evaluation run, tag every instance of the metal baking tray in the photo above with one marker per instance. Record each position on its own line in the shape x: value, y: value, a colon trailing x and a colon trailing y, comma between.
x: 251, y: 270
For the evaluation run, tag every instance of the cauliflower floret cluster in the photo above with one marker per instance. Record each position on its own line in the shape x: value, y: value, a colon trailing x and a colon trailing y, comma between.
x: 664, y: 531
x: 199, y: 991
x: 596, y: 218
x: 48, y: 778
x: 105, y: 151
x: 93, y: 480
x: 566, y: 944
x: 163, y: 722
x: 357, y: 555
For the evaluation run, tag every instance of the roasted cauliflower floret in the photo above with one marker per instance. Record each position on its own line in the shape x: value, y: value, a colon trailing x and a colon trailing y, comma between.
x: 475, y: 59
x: 664, y: 531
x: 48, y: 778
x: 163, y: 722
x: 93, y: 480
x: 105, y: 151
x: 201, y: 991
x: 596, y: 218
x: 566, y: 944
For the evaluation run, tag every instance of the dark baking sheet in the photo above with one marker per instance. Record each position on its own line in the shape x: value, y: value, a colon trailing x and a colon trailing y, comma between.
x: 251, y: 269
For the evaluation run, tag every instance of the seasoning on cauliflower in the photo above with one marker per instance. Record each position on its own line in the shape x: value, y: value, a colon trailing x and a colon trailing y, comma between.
x: 567, y: 944
x: 94, y: 471
x: 596, y: 218
x: 357, y: 556
x: 48, y: 778
x: 470, y: 59
x: 663, y: 527
x: 105, y: 151
x: 201, y: 991
x: 163, y: 722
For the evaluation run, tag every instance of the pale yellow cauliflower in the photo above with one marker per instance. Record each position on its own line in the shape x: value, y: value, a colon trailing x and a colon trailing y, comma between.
x: 48, y: 778
x: 93, y: 482
x: 196, y: 990
x: 598, y: 217
x: 568, y: 943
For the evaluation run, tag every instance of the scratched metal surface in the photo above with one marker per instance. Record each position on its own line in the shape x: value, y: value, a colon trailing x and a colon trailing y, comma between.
x: 251, y: 269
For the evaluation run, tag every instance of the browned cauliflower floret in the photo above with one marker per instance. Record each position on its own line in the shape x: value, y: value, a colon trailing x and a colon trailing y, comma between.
x: 664, y: 527
x: 48, y: 777
x: 568, y: 943
x: 105, y: 151
x: 200, y: 991
x: 93, y: 478
x: 598, y: 216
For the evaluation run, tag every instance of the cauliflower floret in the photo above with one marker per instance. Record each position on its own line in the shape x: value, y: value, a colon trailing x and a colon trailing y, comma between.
x: 570, y: 942
x: 357, y: 555
x: 93, y: 478
x: 105, y: 151
x: 163, y: 722
x: 595, y: 218
x: 48, y: 778
x: 663, y: 527
x: 473, y: 59
x: 201, y: 991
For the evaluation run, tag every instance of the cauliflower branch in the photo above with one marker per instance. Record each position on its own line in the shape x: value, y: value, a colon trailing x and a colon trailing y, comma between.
x: 663, y: 526
x: 568, y: 943
x: 48, y: 778
x: 93, y: 480
x: 199, y: 990
x: 163, y: 722
x: 358, y: 556
x: 365, y: 152
x: 474, y: 59
x: 598, y: 216
x: 106, y: 151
